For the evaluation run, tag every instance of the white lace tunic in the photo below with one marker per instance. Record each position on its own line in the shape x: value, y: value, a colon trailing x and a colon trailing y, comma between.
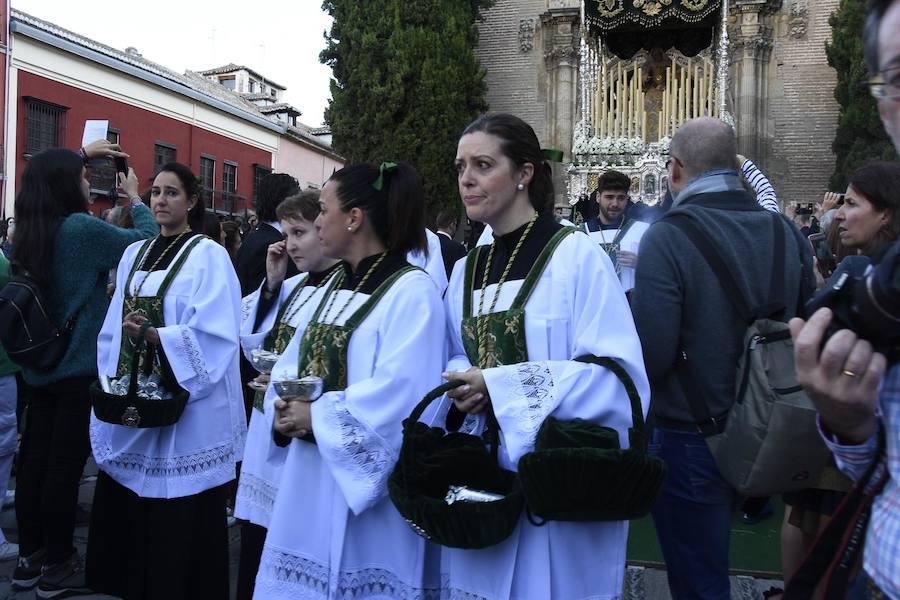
x: 263, y: 460
x: 200, y: 340
x: 576, y: 308
x: 334, y: 532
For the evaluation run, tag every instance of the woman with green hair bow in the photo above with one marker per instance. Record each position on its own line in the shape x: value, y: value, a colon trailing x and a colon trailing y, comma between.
x: 376, y: 340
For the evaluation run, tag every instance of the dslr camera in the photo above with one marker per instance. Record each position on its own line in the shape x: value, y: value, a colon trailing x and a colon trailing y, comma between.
x: 866, y: 302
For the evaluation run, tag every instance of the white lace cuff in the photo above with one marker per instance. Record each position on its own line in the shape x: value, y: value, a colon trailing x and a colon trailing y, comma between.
x: 186, y: 358
x: 360, y: 460
x: 522, y: 396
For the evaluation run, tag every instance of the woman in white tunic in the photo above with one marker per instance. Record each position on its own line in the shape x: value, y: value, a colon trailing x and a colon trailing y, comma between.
x: 519, y: 361
x: 377, y: 341
x: 271, y: 316
x: 158, y: 527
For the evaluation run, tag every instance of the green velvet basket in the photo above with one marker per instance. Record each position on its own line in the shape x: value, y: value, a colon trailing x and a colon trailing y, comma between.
x: 132, y: 410
x: 431, y: 460
x: 578, y: 472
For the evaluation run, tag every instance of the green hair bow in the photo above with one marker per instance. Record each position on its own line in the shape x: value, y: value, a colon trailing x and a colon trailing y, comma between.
x: 552, y: 155
x: 385, y: 167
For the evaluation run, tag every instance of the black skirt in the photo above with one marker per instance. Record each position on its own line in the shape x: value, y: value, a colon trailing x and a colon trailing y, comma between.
x: 154, y: 549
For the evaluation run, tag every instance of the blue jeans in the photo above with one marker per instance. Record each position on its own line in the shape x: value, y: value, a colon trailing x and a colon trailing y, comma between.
x: 692, y: 515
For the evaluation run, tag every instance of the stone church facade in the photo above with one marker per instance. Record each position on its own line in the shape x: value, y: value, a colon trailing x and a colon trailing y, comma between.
x: 778, y: 87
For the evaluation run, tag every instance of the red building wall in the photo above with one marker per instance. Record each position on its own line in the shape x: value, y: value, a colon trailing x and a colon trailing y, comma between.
x: 4, y: 57
x: 139, y: 131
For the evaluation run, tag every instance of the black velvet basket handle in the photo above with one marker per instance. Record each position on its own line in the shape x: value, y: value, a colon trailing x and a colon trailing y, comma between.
x: 492, y: 429
x: 136, y: 357
x: 636, y: 437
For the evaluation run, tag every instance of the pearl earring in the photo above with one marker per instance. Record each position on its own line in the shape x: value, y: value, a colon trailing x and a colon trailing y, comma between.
x: 520, y: 187
x: 349, y: 228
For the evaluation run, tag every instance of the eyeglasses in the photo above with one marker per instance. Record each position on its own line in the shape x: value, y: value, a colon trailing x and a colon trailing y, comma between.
x: 669, y: 162
x: 882, y: 89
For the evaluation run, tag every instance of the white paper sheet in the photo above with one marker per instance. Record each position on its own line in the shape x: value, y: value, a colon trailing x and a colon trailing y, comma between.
x: 94, y: 130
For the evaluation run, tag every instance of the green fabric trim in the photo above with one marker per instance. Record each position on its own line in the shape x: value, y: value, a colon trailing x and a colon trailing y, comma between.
x: 552, y: 155
x: 287, y: 302
x: 363, y: 311
x: 151, y: 307
x: 331, y: 362
x: 134, y: 267
x: 468, y: 281
x: 612, y: 248
x: 538, y: 268
x: 505, y: 342
x: 318, y: 312
x: 176, y: 266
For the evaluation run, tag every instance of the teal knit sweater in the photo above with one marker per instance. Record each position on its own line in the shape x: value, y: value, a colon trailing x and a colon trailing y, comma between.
x: 86, y: 249
x: 7, y: 367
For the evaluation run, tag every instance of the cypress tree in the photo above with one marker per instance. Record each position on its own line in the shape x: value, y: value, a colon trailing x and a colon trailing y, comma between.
x: 860, y: 137
x: 405, y: 83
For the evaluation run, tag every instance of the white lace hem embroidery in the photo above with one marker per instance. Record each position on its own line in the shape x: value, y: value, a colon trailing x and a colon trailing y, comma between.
x: 286, y: 575
x: 256, y: 492
x: 199, y: 465
x: 367, y: 455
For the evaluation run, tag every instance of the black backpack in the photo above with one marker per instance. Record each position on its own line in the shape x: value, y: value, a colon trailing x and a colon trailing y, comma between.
x: 27, y: 333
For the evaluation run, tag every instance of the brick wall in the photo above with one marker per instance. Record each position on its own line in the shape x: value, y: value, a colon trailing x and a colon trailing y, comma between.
x: 802, y: 107
x: 517, y: 81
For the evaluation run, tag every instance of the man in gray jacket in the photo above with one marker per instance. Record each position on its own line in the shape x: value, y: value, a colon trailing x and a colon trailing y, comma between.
x: 681, y: 310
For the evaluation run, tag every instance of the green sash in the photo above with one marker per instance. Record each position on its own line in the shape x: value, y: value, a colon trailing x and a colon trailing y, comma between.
x: 612, y: 248
x: 149, y: 306
x: 505, y: 342
x: 323, y: 347
x: 279, y: 336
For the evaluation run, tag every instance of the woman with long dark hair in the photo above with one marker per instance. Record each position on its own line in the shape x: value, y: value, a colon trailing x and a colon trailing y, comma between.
x: 376, y: 339
x: 869, y: 219
x: 158, y: 525
x: 69, y: 253
x: 518, y: 313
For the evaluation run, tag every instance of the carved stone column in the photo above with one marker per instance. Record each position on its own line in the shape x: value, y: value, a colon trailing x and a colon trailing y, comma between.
x: 751, y: 42
x: 560, y: 26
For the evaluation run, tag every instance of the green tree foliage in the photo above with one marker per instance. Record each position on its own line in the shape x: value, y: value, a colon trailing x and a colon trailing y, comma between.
x: 406, y: 81
x: 860, y: 137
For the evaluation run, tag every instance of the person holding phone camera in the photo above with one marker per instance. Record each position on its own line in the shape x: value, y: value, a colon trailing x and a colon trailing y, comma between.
x: 68, y: 252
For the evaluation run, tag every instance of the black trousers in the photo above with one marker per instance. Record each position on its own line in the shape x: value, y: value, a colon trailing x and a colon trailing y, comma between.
x: 253, y: 538
x: 55, y: 446
x: 157, y: 549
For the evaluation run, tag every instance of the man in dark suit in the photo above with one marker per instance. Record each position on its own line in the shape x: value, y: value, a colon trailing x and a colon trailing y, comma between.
x: 451, y: 250
x: 251, y: 257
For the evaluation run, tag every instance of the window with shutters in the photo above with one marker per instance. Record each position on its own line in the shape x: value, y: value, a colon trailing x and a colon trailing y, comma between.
x: 45, y: 125
x: 259, y: 172
x: 229, y: 185
x: 163, y: 153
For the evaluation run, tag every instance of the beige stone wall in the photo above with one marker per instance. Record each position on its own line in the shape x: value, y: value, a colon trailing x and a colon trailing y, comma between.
x: 796, y: 122
x: 802, y: 104
x: 516, y: 78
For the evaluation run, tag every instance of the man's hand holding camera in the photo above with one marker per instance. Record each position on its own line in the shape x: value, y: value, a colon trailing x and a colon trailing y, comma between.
x: 841, y: 378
